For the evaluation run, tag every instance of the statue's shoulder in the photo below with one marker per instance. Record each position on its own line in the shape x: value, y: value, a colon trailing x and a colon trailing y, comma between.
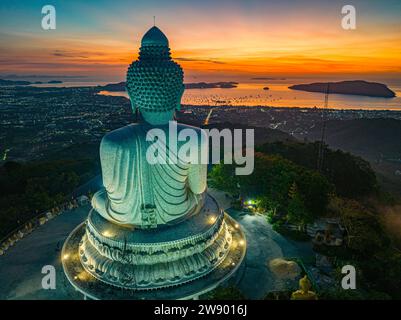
x: 120, y: 136
x: 199, y: 131
x: 182, y: 126
x: 201, y: 134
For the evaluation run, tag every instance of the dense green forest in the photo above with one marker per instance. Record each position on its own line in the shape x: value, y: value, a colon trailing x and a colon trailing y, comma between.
x: 279, y: 185
x: 352, y: 176
x: 287, y: 188
x: 27, y: 189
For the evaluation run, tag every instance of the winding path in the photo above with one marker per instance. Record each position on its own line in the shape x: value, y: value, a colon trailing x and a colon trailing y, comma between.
x: 21, y: 265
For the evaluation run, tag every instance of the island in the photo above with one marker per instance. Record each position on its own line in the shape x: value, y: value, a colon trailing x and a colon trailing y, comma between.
x: 353, y: 87
x: 24, y: 83
x: 267, y: 78
x: 14, y: 83
x: 120, y: 86
x: 115, y: 87
x: 209, y: 85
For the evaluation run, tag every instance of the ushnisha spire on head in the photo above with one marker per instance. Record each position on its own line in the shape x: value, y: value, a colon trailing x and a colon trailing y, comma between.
x: 154, y: 81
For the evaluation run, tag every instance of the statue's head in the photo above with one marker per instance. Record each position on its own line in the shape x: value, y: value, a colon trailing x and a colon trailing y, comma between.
x: 155, y: 82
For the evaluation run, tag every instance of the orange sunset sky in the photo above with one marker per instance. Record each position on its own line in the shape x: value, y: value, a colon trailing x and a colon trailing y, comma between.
x: 210, y: 39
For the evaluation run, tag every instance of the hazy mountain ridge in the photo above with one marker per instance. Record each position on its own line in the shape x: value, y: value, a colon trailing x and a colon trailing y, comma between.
x: 24, y: 83
x: 376, y: 140
x: 368, y: 137
x: 192, y: 85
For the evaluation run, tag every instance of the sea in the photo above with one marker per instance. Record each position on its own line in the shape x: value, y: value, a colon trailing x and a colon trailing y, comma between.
x: 251, y: 93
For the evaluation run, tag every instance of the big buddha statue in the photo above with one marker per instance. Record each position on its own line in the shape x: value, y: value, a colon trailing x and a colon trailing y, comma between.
x: 136, y: 192
x: 152, y: 225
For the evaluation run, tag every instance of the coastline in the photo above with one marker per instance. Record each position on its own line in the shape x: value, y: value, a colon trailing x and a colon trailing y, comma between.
x: 252, y: 94
x: 186, y: 105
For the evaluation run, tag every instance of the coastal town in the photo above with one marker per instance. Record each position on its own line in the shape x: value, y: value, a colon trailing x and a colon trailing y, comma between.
x: 43, y: 121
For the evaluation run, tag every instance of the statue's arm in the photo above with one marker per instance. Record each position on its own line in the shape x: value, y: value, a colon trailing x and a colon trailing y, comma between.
x: 197, y: 175
x: 197, y: 178
x: 107, y: 160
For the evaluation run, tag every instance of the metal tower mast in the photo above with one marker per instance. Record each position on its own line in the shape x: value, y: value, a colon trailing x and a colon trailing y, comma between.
x: 320, y: 155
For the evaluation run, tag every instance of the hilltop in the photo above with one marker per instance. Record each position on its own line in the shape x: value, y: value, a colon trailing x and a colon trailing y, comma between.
x: 376, y: 140
x: 354, y: 87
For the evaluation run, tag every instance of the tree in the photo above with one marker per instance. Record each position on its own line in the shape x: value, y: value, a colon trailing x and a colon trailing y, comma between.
x: 27, y: 189
x: 365, y: 233
x: 369, y: 248
x: 315, y: 190
x: 222, y: 177
x: 296, y: 210
x: 226, y: 293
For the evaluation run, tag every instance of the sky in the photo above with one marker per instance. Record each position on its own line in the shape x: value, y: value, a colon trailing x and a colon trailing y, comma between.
x: 98, y: 39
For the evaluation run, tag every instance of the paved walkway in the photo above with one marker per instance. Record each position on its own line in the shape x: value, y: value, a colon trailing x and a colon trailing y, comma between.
x: 263, y: 245
x: 221, y: 197
x: 21, y: 265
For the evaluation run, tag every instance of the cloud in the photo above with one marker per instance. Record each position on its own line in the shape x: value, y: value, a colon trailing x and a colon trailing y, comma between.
x: 69, y: 54
x: 76, y: 54
x: 24, y: 76
x: 199, y: 60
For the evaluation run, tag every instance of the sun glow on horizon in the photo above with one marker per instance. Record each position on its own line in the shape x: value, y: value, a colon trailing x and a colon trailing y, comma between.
x: 210, y: 39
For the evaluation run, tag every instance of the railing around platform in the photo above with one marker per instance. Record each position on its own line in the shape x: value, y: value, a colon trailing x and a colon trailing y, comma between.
x: 26, y: 228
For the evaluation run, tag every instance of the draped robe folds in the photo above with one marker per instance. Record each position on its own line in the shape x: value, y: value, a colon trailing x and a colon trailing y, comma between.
x: 142, y: 194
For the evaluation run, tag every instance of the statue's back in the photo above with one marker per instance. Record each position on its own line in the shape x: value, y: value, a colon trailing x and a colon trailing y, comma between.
x: 143, y: 194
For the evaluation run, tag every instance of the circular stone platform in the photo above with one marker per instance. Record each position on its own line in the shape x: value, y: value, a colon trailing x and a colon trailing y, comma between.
x: 93, y: 288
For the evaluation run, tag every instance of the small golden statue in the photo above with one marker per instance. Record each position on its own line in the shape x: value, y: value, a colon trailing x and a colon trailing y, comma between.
x: 304, y: 292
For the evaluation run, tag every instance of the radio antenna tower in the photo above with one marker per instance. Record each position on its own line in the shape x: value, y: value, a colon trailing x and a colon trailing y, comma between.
x: 320, y: 155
